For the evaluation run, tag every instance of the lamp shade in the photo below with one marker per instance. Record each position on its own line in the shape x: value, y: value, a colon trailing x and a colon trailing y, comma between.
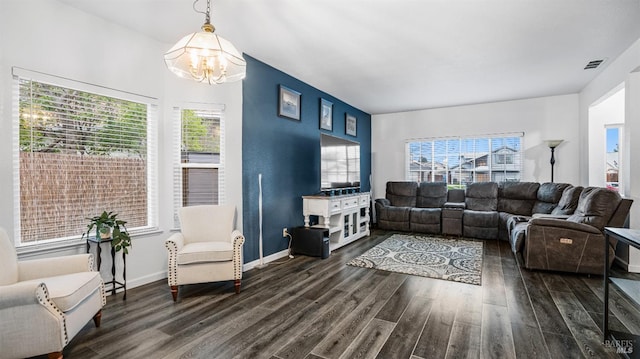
x: 553, y: 143
x: 205, y: 56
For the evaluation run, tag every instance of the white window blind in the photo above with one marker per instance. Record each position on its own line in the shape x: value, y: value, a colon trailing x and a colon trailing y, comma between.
x: 78, y: 152
x: 199, y: 156
x: 459, y: 161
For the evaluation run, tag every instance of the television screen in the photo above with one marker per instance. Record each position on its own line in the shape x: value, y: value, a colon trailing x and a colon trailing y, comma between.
x: 339, y: 163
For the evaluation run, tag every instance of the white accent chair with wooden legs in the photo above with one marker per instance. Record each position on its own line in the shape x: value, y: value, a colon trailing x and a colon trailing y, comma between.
x: 44, y: 303
x: 208, y: 248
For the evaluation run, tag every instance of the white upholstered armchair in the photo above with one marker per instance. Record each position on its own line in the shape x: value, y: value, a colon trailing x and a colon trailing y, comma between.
x: 208, y: 249
x: 44, y: 303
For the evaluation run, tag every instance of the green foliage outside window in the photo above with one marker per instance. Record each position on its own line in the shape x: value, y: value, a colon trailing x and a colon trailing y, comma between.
x: 61, y: 120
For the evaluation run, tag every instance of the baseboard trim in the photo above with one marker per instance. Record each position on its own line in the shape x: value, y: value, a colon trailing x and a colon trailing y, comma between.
x: 267, y: 259
x: 633, y: 268
x: 140, y: 281
x: 137, y: 282
x: 628, y: 267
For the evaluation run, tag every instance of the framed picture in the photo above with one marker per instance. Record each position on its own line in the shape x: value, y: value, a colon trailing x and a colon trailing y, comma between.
x: 350, y: 124
x: 326, y: 115
x: 289, y: 103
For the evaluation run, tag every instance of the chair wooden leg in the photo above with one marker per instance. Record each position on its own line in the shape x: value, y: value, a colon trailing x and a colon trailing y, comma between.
x: 96, y: 318
x: 55, y: 355
x: 237, y: 285
x: 174, y: 292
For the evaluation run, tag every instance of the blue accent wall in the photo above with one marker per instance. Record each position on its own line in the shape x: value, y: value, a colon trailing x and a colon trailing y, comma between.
x: 287, y: 154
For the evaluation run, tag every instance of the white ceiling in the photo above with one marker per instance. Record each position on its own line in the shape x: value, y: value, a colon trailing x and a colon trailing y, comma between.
x: 398, y: 55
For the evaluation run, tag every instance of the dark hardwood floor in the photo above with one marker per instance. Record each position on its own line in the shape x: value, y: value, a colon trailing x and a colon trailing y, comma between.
x: 312, y: 308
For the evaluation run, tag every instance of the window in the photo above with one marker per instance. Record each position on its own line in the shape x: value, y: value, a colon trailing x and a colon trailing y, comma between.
x: 459, y: 161
x: 79, y: 150
x: 199, y: 159
x: 613, y: 135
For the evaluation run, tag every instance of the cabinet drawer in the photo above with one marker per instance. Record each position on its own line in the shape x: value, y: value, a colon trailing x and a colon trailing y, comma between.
x: 334, y: 206
x: 349, y: 203
x: 364, y: 200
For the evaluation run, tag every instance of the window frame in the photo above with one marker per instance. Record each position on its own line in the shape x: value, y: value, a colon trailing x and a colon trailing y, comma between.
x: 217, y: 110
x: 436, y: 174
x: 620, y: 182
x: 151, y: 103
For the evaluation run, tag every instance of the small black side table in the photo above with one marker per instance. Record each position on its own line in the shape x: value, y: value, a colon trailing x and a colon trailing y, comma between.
x: 626, y: 344
x: 115, y: 285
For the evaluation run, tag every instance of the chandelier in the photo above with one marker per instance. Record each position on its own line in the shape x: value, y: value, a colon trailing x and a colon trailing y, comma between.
x: 206, y: 57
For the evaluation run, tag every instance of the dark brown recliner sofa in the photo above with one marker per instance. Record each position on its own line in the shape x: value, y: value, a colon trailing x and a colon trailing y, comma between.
x: 535, y: 218
x: 480, y: 218
x: 393, y: 211
x: 412, y: 207
x: 426, y: 216
x: 576, y: 244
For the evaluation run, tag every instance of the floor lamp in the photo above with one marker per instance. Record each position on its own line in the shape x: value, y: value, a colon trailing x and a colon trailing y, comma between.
x: 552, y: 145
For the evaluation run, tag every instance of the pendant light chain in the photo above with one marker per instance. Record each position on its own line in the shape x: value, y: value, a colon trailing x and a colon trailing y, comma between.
x: 208, y: 18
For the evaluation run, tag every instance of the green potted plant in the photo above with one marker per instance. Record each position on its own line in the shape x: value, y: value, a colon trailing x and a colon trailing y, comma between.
x: 107, y: 225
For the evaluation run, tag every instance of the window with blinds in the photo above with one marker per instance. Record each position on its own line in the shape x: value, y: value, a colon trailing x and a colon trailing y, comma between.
x: 198, y: 169
x: 459, y: 161
x: 79, y: 152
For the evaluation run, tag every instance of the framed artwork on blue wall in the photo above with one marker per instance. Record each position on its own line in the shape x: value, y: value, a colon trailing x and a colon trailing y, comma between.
x: 289, y: 103
x: 350, y: 124
x: 326, y: 115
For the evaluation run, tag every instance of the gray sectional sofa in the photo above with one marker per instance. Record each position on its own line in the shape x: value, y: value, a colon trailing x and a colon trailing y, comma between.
x: 552, y: 226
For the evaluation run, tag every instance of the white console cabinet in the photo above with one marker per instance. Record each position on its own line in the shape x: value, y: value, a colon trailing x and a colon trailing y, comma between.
x: 346, y: 216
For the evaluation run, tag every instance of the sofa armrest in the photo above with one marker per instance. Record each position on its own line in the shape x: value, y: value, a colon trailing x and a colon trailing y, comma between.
x: 563, y: 224
x: 237, y: 238
x: 25, y: 307
x: 49, y: 267
x: 20, y: 294
x: 383, y: 202
x: 455, y: 205
x: 174, y: 243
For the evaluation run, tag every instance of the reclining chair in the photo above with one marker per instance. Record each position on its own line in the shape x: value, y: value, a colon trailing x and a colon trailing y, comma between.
x: 44, y: 303
x: 576, y: 244
x: 208, y: 249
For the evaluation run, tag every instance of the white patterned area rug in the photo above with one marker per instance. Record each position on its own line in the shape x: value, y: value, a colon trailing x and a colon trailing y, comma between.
x: 458, y: 260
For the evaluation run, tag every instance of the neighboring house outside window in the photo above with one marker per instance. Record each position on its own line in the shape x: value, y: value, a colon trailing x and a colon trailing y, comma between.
x: 79, y: 150
x: 462, y: 160
x: 199, y: 157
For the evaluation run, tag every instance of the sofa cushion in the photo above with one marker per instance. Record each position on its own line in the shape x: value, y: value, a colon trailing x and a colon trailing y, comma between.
x: 201, y: 252
x: 425, y: 215
x: 568, y: 201
x: 548, y: 196
x: 394, y: 218
x: 425, y: 220
x: 69, y: 290
x: 455, y: 195
x: 596, y: 205
x: 481, y: 219
x: 402, y: 194
x: 431, y: 195
x: 480, y: 224
x: 517, y: 197
x: 482, y: 196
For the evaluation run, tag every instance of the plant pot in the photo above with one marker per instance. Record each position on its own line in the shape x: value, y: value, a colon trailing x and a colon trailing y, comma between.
x: 105, y: 233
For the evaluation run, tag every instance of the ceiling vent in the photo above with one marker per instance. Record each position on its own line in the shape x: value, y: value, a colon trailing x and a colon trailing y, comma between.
x: 593, y: 64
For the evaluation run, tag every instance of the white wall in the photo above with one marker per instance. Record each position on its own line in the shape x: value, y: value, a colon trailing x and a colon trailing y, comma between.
x: 539, y: 118
x: 623, y: 69
x: 51, y: 37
